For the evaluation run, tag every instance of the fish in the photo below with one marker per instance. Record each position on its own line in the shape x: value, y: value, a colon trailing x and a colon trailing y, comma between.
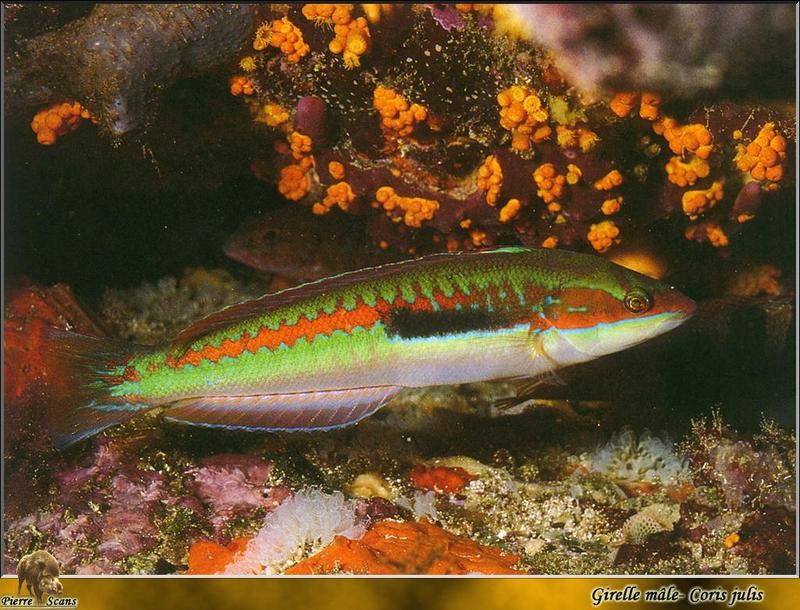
x: 329, y: 353
x: 302, y: 247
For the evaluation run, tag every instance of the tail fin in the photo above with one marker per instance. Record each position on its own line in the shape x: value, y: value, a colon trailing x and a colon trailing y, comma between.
x: 82, y: 372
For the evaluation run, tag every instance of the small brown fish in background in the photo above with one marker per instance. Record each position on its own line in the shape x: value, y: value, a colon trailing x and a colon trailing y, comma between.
x: 301, y: 246
x: 39, y: 571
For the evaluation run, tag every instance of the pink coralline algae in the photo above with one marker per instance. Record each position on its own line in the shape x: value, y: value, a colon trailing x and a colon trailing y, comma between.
x: 124, y: 506
x: 232, y: 486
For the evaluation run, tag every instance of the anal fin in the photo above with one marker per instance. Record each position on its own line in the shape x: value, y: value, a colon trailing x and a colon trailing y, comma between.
x: 320, y: 410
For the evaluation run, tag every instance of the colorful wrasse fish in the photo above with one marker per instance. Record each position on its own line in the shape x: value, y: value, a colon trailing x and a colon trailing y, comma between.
x: 328, y: 353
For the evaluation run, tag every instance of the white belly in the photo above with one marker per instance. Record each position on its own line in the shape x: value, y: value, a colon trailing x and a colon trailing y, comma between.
x: 475, y: 356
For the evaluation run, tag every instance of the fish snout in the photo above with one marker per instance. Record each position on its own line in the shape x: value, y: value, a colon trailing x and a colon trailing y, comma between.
x: 675, y: 302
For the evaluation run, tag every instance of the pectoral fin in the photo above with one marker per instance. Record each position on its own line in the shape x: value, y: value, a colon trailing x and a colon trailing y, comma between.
x: 525, y: 390
x: 296, y: 411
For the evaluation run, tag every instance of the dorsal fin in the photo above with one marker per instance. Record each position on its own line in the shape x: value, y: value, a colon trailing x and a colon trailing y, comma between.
x: 236, y: 313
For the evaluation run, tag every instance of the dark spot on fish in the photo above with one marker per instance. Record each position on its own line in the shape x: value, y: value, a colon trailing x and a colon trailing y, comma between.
x: 408, y: 324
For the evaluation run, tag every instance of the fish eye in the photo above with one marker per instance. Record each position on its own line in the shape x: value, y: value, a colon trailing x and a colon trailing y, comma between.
x: 637, y: 301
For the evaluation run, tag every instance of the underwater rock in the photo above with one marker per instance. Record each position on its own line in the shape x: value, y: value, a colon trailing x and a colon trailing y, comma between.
x: 24, y: 20
x: 658, y: 547
x: 156, y: 312
x: 517, y: 155
x: 755, y: 472
x: 137, y: 498
x: 680, y: 49
x: 768, y: 540
x: 419, y: 117
x: 391, y: 547
x: 376, y: 509
x: 311, y: 119
x: 118, y: 59
x: 233, y: 486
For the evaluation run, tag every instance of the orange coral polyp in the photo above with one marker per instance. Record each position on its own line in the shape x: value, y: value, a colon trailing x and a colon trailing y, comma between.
x: 340, y: 194
x: 649, y: 106
x: 294, y: 183
x: 58, y: 120
x: 510, y: 210
x: 694, y: 139
x: 414, y: 210
x: 284, y: 35
x: 707, y: 231
x: 764, y: 158
x: 623, y: 103
x: 490, y: 179
x: 300, y: 145
x: 579, y: 137
x: 336, y: 169
x: 329, y: 13
x: 611, y: 180
x: 603, y: 235
x: 522, y: 114
x: 356, y: 42
x: 242, y: 85
x: 398, y: 117
x: 351, y: 36
x: 551, y: 241
x: 686, y: 173
x: 478, y: 237
x: 549, y: 183
x: 319, y: 12
x: 698, y: 202
x: 574, y: 174
x: 611, y: 206
x: 273, y: 115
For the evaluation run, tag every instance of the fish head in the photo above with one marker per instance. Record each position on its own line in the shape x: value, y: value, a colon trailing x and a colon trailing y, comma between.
x: 613, y: 309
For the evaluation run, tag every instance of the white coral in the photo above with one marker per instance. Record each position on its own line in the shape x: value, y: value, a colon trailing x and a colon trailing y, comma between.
x: 422, y: 504
x: 646, y: 459
x: 300, y: 526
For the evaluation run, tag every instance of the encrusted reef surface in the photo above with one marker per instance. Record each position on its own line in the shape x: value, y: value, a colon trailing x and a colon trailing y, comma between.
x: 450, y: 133
x: 120, y: 58
x: 448, y: 128
x: 341, y: 136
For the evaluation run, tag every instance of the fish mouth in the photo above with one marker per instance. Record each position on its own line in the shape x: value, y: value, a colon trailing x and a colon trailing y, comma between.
x: 678, y: 304
x: 608, y: 338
